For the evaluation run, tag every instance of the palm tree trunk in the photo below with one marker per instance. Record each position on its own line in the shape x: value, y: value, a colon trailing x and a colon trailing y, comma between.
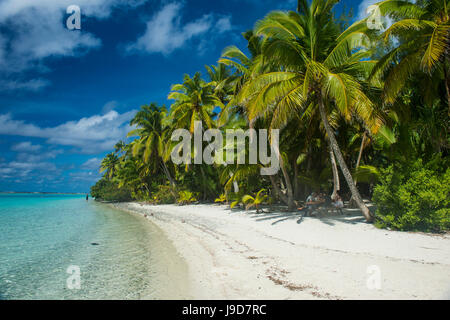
x: 447, y: 85
x: 287, y: 179
x: 235, y: 184
x: 352, y: 201
x: 360, y: 153
x: 203, y: 182
x: 336, y: 182
x: 296, y: 182
x: 167, y: 173
x: 169, y: 177
x: 340, y: 158
x: 277, y: 190
x: 290, y: 193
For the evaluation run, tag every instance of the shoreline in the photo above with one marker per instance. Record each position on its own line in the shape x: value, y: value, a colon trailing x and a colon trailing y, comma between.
x: 234, y: 254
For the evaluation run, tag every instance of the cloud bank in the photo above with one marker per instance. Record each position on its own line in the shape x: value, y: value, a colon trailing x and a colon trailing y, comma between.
x: 165, y: 31
x: 33, y: 31
x: 89, y: 135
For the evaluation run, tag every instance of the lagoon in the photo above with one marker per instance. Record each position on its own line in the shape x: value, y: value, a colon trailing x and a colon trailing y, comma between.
x: 119, y: 255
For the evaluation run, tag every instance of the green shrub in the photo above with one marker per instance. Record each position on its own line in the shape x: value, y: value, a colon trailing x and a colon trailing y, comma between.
x: 108, y: 190
x: 414, y: 197
x: 186, y: 197
x: 164, y: 195
x: 221, y: 199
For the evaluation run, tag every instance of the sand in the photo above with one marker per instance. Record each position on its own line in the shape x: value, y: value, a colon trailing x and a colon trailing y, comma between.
x: 236, y: 254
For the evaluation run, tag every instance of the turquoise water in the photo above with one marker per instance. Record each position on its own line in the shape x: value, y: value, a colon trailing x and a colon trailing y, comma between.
x: 41, y: 236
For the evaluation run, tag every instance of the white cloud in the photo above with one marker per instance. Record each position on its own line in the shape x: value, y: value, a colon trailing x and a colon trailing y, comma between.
x: 90, y: 135
x: 24, y: 169
x: 38, y: 157
x: 34, y: 30
x: 92, y: 164
x: 85, y: 176
x: 26, y: 147
x: 165, y: 32
x: 20, y: 84
x: 109, y: 106
x: 223, y: 24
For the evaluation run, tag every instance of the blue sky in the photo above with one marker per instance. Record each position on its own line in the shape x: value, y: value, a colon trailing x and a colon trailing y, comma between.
x: 66, y: 97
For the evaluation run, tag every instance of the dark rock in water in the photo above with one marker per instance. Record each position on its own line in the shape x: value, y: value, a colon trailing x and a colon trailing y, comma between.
x: 95, y: 244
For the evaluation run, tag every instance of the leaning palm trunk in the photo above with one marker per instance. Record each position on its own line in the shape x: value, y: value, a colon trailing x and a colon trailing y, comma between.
x: 352, y: 201
x: 290, y: 193
x: 447, y: 89
x: 169, y: 177
x: 360, y: 153
x: 287, y: 179
x: 342, y: 164
x: 277, y: 190
x: 296, y: 182
x: 235, y: 184
x: 336, y: 182
x: 167, y: 173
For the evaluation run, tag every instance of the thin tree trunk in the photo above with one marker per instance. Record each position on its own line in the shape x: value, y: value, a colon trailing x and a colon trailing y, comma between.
x: 290, y: 193
x: 360, y: 153
x: 340, y: 158
x: 146, y: 188
x: 307, y: 189
x: 296, y: 182
x: 336, y: 182
x: 235, y: 184
x: 167, y: 173
x: 203, y: 182
x: 277, y: 190
x: 169, y: 177
x: 447, y: 85
x: 352, y: 201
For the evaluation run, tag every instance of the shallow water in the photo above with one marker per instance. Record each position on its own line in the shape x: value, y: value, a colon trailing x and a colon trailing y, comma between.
x: 119, y: 255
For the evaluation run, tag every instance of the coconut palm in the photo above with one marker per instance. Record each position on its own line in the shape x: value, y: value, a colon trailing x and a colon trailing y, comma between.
x: 421, y: 30
x: 110, y: 164
x: 195, y: 100
x: 255, y: 201
x: 153, y: 136
x: 221, y: 79
x: 320, y: 70
x: 120, y: 147
x: 245, y: 67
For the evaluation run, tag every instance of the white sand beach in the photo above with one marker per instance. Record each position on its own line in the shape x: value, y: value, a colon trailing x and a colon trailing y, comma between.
x: 243, y: 255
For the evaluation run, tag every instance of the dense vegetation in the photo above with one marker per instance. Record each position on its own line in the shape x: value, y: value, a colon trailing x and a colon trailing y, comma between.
x: 373, y: 103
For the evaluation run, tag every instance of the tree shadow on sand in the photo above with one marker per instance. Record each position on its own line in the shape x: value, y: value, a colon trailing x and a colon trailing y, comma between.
x: 349, y: 216
x: 328, y: 215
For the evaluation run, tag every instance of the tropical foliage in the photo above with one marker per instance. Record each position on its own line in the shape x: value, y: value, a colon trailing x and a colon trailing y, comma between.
x: 355, y: 108
x: 414, y: 197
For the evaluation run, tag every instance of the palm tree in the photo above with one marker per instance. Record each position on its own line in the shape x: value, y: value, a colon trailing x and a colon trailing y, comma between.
x: 422, y: 33
x: 255, y: 201
x: 110, y: 164
x: 153, y: 137
x: 320, y: 69
x: 221, y: 79
x: 120, y: 147
x: 245, y: 67
x: 195, y: 100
